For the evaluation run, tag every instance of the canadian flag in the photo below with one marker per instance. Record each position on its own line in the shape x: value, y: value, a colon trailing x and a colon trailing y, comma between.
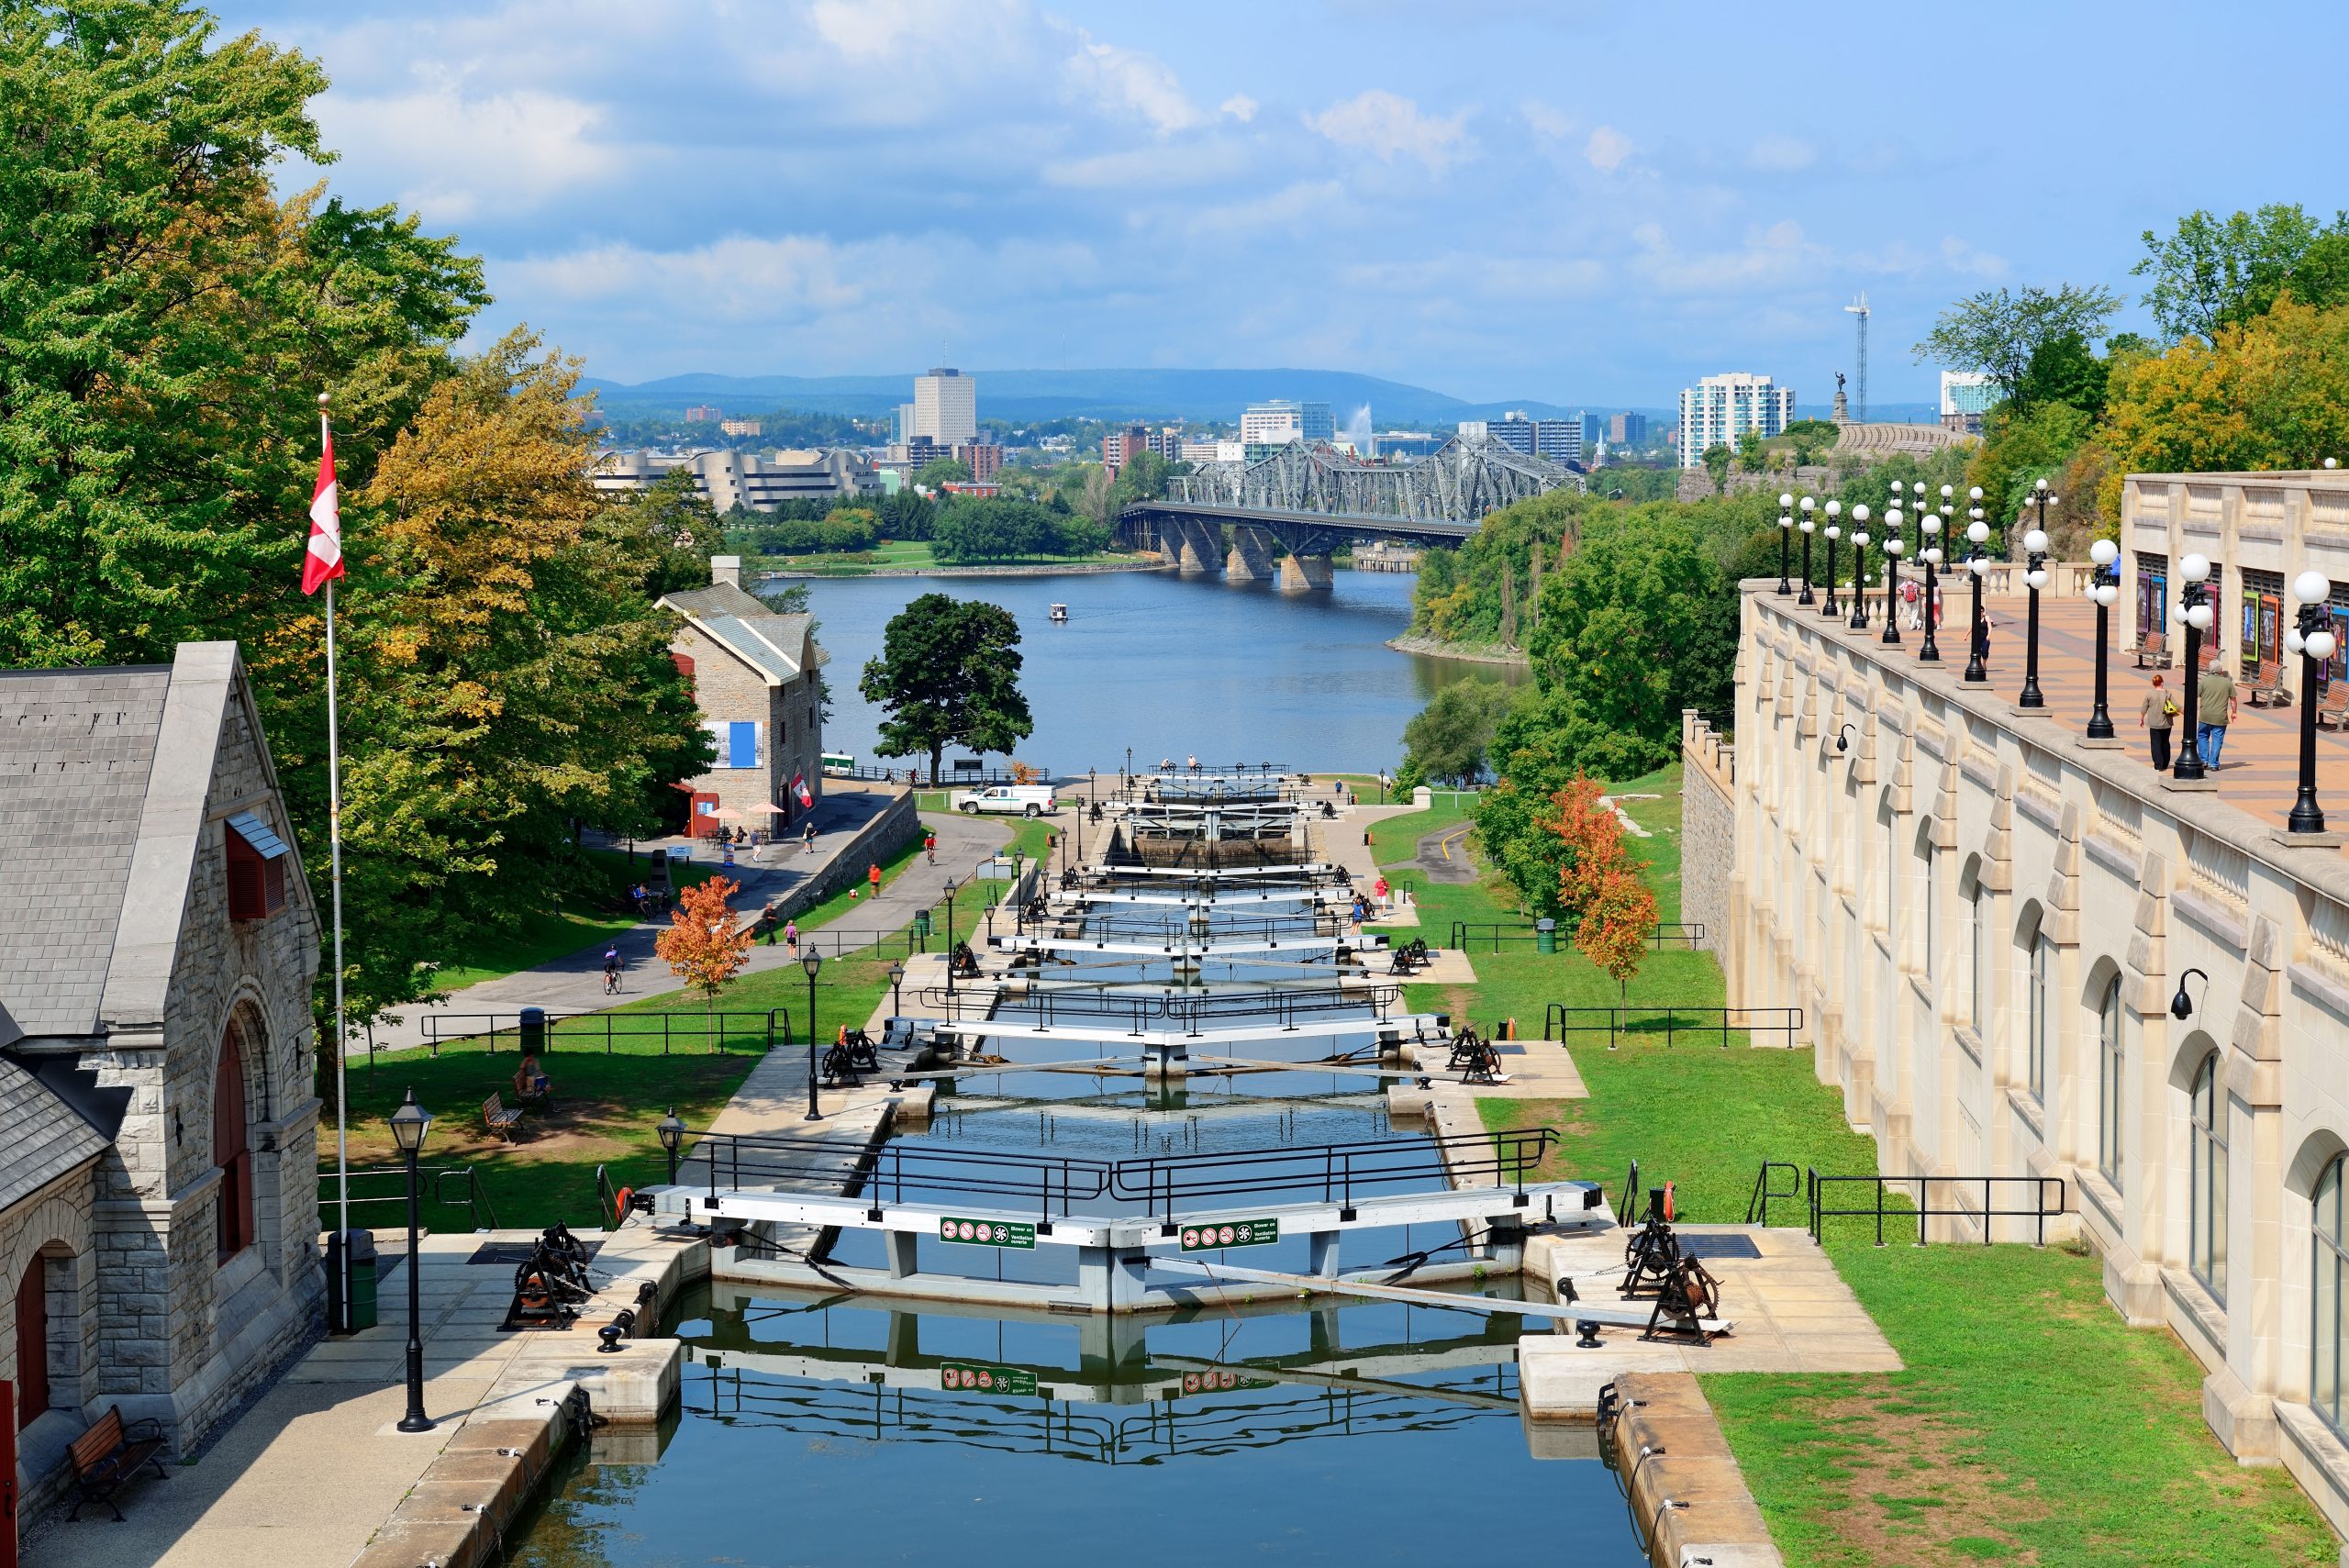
x: 323, y: 562
x: 799, y: 788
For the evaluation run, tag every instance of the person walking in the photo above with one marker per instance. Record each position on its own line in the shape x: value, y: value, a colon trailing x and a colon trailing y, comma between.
x: 2156, y: 718
x: 807, y: 836
x: 873, y: 876
x: 2215, y: 705
x: 767, y: 921
x: 791, y: 936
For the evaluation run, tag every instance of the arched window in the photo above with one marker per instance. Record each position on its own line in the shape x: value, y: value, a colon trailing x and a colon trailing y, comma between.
x: 2331, y: 1274
x: 2109, y: 1084
x: 2037, y: 1022
x: 2207, y: 1244
x: 230, y: 1152
x: 32, y: 1343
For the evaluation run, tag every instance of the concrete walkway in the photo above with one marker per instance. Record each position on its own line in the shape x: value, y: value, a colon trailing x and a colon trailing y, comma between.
x: 574, y: 983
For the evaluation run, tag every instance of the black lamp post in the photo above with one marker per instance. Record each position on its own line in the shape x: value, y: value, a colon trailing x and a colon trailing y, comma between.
x: 1785, y: 531
x: 896, y: 989
x: 1808, y: 526
x: 1929, y: 543
x: 2104, y: 579
x: 1834, y: 535
x: 1978, y: 565
x: 1893, y: 546
x: 2195, y: 571
x: 2034, y: 577
x: 1859, y: 569
x: 672, y: 1131
x: 811, y: 963
x: 409, y: 1124
x: 2315, y: 644
x: 950, y: 945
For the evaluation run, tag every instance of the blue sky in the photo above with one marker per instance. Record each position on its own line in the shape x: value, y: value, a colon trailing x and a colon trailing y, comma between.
x: 1585, y: 202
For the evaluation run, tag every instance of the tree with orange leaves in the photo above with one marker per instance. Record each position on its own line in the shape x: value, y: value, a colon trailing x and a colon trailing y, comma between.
x: 1589, y: 845
x: 705, y: 945
x: 1618, y: 921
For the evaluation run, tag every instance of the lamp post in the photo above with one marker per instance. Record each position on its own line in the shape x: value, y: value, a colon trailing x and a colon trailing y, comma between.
x: 1860, y: 568
x: 897, y: 990
x: 409, y: 1124
x: 2195, y: 571
x: 2105, y: 589
x: 950, y: 945
x: 672, y: 1131
x: 2034, y: 577
x: 2313, y: 640
x: 1786, y: 530
x: 1929, y: 539
x: 811, y: 963
x: 1893, y: 545
x: 1806, y: 525
x: 1834, y: 535
x: 1977, y: 565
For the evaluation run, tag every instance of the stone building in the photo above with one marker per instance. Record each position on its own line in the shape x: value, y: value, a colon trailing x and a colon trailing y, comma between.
x: 1985, y: 919
x: 158, y: 1152
x: 758, y: 679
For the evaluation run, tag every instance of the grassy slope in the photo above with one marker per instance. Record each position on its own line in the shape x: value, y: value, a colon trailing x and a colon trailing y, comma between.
x: 2032, y: 1424
x: 546, y: 935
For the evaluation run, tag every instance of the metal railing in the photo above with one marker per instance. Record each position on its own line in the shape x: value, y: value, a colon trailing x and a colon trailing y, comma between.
x: 451, y: 1186
x: 1922, y: 1208
x: 890, y: 1171
x: 1491, y: 936
x: 1757, y: 1207
x: 1669, y: 1019
x: 1623, y: 1206
x: 575, y: 1031
x: 1335, y: 1173
x: 1142, y: 1011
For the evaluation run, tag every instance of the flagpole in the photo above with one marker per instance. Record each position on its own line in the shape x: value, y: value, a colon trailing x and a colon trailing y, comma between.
x: 334, y: 841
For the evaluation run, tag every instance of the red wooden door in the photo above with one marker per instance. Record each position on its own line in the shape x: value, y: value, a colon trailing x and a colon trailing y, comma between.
x: 32, y: 1344
x: 703, y: 824
x: 7, y: 1478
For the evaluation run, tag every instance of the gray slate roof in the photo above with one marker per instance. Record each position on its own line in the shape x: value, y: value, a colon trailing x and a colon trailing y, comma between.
x: 41, y: 1136
x: 741, y: 622
x: 76, y: 748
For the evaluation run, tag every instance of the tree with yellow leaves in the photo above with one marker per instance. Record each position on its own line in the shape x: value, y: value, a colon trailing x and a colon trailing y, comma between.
x: 705, y: 945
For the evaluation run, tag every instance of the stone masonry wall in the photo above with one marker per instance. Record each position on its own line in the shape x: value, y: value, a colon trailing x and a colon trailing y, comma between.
x: 1707, y: 831
x: 725, y: 689
x: 897, y: 825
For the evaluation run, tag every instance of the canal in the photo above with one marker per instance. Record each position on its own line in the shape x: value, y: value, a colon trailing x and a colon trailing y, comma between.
x: 1171, y: 666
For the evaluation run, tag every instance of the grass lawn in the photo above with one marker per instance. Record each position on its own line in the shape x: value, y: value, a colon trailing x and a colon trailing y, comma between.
x: 2032, y: 1426
x: 546, y: 935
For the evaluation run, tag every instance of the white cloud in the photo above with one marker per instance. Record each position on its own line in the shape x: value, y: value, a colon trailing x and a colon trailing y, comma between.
x: 1380, y: 123
x: 1121, y: 79
x: 1773, y: 256
x: 1304, y: 204
x: 1607, y: 148
x: 465, y: 154
x: 877, y: 30
x: 1240, y: 107
x: 1154, y: 166
x: 1782, y: 155
x: 1961, y: 257
x: 1551, y: 125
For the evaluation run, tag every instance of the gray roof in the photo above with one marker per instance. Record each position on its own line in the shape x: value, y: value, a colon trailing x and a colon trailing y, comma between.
x: 41, y: 1136
x: 740, y: 622
x: 76, y: 748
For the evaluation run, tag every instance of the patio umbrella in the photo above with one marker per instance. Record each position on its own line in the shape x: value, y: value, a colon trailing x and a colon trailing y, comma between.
x: 726, y: 814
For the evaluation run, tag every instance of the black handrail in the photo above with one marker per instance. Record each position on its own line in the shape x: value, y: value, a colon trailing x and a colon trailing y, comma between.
x: 1922, y: 1210
x: 1623, y: 1209
x: 893, y: 1169
x: 1337, y: 1171
x: 1141, y: 1011
x: 1674, y: 1019
x: 437, y: 1182
x: 1490, y: 936
x: 1757, y: 1207
x: 770, y: 1026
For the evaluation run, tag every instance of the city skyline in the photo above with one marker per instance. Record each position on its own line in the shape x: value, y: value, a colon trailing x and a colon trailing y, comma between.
x: 841, y: 189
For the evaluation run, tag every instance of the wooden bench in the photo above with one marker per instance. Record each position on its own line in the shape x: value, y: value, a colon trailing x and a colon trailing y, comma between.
x: 2268, y: 684
x: 2333, y: 707
x: 498, y: 1119
x: 2149, y: 646
x: 107, y: 1455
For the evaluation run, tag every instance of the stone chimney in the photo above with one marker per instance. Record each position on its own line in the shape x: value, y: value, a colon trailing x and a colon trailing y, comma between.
x: 725, y: 571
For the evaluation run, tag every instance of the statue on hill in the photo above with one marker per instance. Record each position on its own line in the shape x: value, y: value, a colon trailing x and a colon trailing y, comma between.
x: 1842, y: 415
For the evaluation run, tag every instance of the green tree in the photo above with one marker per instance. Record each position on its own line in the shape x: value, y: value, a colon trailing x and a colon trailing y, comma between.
x: 1446, y: 740
x: 942, y: 470
x: 1750, y: 458
x: 2214, y: 272
x: 679, y: 527
x: 1717, y: 459
x: 1141, y: 479
x: 948, y: 674
x: 1998, y: 331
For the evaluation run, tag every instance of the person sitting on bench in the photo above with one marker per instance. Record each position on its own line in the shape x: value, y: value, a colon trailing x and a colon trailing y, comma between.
x: 531, y: 1085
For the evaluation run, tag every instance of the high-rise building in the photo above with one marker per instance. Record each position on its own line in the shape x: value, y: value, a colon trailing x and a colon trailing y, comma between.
x: 741, y: 427
x: 901, y: 424
x: 1966, y: 395
x: 946, y: 407
x: 1627, y: 429
x: 703, y: 414
x: 1559, y: 440
x: 1720, y: 409
x: 1562, y: 441
x: 1119, y: 448
x: 1278, y: 422
x: 986, y: 460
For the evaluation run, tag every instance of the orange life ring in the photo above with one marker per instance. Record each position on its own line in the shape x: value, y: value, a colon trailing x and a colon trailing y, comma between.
x: 1667, y: 1200
x: 619, y: 1204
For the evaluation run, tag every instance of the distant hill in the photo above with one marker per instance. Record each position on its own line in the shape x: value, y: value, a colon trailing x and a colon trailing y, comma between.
x: 1060, y: 394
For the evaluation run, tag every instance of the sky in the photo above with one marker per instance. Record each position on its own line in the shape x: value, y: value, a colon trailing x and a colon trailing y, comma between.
x: 1585, y: 203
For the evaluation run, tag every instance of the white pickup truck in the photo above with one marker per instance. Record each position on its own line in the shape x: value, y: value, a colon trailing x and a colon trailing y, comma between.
x: 1026, y: 800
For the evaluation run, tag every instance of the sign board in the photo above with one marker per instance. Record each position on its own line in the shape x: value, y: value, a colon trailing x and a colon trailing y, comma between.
x: 1230, y: 1233
x: 680, y: 851
x: 986, y: 1233
x: 982, y: 1378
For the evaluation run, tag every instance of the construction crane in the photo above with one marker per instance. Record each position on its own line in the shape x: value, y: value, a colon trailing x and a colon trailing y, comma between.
x: 1861, y: 310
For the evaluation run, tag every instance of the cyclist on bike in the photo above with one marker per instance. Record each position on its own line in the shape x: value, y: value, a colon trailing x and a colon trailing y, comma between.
x: 930, y: 847
x: 611, y: 970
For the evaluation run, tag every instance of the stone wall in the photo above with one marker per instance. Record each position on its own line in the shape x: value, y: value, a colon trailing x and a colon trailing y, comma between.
x: 1707, y: 828
x: 725, y: 689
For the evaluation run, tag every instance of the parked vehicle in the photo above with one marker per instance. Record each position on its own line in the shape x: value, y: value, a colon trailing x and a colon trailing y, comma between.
x: 1024, y: 800
x: 839, y: 765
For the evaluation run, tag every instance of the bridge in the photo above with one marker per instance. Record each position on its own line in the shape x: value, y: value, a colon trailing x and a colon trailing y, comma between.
x: 1284, y: 515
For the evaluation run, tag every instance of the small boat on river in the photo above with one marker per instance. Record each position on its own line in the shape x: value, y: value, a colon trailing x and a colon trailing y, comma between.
x: 1059, y: 612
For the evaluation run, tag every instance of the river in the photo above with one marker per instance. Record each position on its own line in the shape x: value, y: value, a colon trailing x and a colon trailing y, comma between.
x: 1171, y: 666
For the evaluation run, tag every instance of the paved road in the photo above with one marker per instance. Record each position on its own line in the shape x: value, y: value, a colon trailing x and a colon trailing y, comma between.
x: 1443, y: 854
x: 574, y: 983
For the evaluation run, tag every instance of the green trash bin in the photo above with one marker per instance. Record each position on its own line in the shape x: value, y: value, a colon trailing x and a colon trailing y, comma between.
x: 361, y: 1314
x: 1546, y: 935
x: 921, y: 924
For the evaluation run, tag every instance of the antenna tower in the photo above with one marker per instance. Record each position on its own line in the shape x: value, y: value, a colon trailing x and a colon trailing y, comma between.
x: 1861, y: 310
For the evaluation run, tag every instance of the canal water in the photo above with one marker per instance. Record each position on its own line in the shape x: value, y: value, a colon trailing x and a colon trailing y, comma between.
x: 1171, y: 666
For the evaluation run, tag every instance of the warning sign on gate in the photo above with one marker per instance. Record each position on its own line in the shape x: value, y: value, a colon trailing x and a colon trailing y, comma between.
x: 986, y: 1233
x: 1230, y: 1233
x: 982, y: 1378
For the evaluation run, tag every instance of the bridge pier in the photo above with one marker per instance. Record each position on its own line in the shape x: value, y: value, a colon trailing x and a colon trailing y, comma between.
x: 1196, y: 546
x: 1250, y: 559
x: 1302, y: 573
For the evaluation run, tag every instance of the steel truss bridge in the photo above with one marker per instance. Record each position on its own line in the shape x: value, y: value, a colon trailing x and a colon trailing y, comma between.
x: 1304, y: 502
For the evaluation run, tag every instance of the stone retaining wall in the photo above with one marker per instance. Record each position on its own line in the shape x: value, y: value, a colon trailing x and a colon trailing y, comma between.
x: 898, y: 824
x: 1707, y: 828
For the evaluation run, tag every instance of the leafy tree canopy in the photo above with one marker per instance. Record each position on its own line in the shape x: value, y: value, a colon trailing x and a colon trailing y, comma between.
x: 2212, y: 272
x: 1446, y: 740
x: 948, y: 674
x: 1998, y: 331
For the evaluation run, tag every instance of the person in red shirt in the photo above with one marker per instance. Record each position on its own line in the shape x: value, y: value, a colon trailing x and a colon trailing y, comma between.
x: 873, y: 876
